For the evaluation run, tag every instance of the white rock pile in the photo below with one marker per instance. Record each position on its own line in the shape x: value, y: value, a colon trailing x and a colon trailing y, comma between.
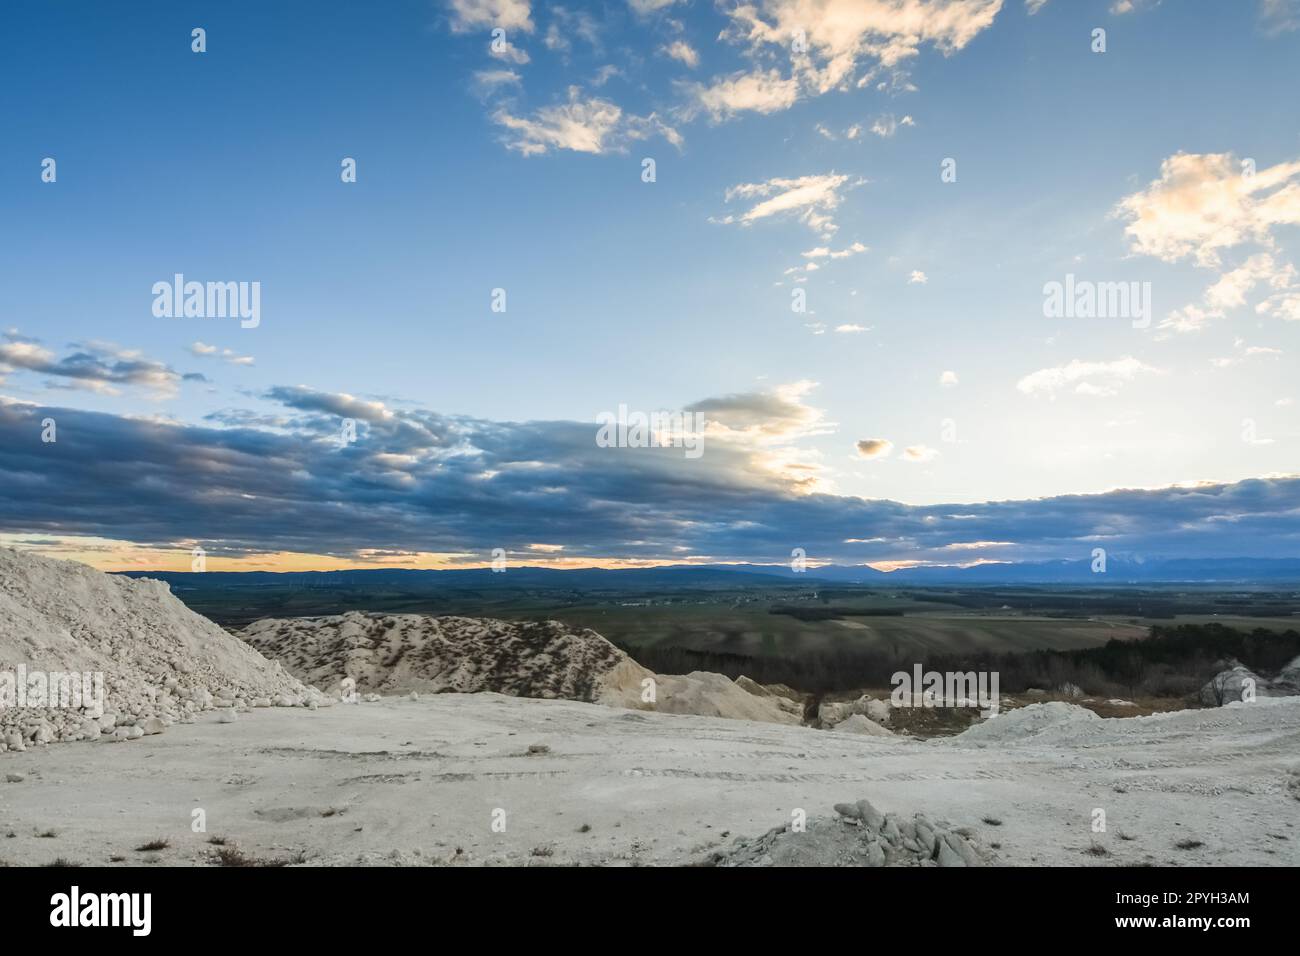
x: 860, y: 835
x: 161, y: 663
x: 834, y: 713
x: 1229, y: 685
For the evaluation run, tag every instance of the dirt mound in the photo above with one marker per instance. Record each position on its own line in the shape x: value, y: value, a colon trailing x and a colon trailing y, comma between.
x: 860, y: 835
x: 61, y: 621
x: 401, y: 653
x: 1024, y: 723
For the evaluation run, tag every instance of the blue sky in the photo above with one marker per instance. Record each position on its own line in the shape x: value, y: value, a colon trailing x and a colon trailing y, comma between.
x: 784, y: 133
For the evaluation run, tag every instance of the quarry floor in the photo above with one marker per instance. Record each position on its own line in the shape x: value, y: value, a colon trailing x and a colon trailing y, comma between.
x: 432, y: 781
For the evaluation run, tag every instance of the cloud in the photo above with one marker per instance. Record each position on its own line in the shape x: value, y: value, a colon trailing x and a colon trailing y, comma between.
x: 875, y: 447
x: 467, y: 15
x: 1279, y: 16
x: 919, y: 453
x: 851, y: 42
x: 825, y: 252
x: 683, y: 52
x: 810, y: 199
x: 203, y: 350
x: 420, y: 481
x: 1033, y: 6
x: 567, y: 23
x: 339, y: 404
x: 1242, y: 352
x: 1087, y: 378
x: 887, y: 125
x: 92, y: 366
x: 780, y: 414
x: 948, y: 379
x: 917, y: 277
x: 591, y: 125
x: 1285, y: 306
x: 647, y: 7
x: 509, y: 53
x: 490, y: 81
x: 1205, y: 204
x: 758, y: 91
x: 852, y: 329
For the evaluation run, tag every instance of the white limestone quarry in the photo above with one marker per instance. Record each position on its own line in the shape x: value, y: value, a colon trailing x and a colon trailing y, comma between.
x: 713, y: 771
x: 148, y: 660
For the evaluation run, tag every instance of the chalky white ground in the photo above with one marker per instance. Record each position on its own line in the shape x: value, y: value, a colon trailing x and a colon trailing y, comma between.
x: 410, y: 781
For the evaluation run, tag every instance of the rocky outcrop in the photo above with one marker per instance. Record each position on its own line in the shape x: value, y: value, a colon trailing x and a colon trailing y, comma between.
x: 860, y: 835
x: 404, y: 653
x: 831, y: 713
x: 1236, y: 682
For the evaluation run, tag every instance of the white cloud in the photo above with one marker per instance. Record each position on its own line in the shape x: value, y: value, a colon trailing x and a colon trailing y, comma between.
x: 1206, y: 204
x: 825, y: 252
x: 467, y: 15
x: 1033, y: 6
x: 591, y: 125
x: 1088, y: 378
x: 646, y: 7
x: 758, y: 92
x: 887, y: 125
x: 1284, y: 305
x: 1242, y: 352
x: 1203, y: 204
x: 919, y: 453
x: 683, y: 52
x: 850, y: 42
x: 851, y: 329
x: 917, y: 278
x: 203, y: 350
x: 489, y: 81
x: 1231, y: 288
x: 948, y: 379
x: 509, y: 53
x: 810, y: 199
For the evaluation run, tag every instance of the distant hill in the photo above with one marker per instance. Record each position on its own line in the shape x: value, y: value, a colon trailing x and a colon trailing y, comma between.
x: 1119, y: 572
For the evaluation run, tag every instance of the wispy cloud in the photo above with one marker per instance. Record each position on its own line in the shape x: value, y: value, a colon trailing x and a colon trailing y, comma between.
x: 583, y: 125
x: 810, y: 199
x: 203, y: 350
x: 1085, y: 378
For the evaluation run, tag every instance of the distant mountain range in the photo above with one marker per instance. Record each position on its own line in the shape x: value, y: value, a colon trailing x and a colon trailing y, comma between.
x: 1224, y: 571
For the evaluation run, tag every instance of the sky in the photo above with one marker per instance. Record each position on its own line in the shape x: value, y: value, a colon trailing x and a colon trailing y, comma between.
x: 835, y: 238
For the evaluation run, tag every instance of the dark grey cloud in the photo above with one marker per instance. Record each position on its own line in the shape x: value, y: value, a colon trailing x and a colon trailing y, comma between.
x: 418, y: 481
